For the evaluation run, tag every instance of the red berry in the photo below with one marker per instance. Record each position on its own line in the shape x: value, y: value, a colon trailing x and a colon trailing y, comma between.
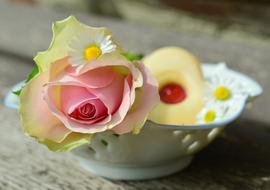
x: 172, y: 93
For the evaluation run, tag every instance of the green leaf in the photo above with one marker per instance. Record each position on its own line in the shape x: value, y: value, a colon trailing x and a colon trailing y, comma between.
x: 17, y: 92
x: 33, y: 73
x: 104, y: 142
x: 132, y: 56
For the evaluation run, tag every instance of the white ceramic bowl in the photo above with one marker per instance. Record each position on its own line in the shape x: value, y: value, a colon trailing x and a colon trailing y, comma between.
x: 159, y: 150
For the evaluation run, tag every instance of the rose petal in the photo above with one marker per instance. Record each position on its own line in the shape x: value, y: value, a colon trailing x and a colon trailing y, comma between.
x: 107, y: 123
x: 101, y: 112
x: 101, y: 109
x: 61, y: 72
x: 123, y: 109
x: 148, y: 99
x: 86, y: 115
x: 123, y: 98
x: 36, y: 117
x: 113, y: 60
x: 75, y: 126
x: 116, y: 61
x: 96, y: 78
x: 58, y: 68
x: 73, y: 140
x: 111, y: 95
x: 101, y: 66
x: 72, y: 97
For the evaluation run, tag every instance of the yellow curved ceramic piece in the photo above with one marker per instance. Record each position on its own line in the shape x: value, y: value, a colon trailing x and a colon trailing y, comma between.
x: 176, y: 65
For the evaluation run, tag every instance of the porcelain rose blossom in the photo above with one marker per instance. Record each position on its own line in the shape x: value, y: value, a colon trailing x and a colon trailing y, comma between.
x: 84, y: 88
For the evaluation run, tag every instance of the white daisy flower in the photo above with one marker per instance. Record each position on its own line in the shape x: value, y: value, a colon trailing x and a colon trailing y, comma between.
x: 221, y: 88
x: 90, y: 45
x: 211, y: 113
x: 218, y: 111
x: 223, y: 98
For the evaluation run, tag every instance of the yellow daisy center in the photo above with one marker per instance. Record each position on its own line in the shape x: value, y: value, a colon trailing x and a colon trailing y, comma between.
x: 92, y: 52
x: 222, y: 93
x: 210, y: 116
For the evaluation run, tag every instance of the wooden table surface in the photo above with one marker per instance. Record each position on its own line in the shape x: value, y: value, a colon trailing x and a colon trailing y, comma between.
x: 238, y: 159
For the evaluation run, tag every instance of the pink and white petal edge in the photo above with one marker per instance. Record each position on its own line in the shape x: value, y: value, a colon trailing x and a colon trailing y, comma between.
x: 135, y: 120
x: 35, y: 115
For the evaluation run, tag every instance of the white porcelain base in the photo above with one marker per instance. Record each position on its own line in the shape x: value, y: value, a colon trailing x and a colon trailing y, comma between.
x: 120, y: 172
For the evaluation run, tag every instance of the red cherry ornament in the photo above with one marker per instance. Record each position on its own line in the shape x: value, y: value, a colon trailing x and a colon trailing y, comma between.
x: 172, y: 93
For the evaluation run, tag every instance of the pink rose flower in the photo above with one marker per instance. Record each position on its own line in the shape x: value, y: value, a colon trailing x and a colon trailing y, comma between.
x: 63, y: 105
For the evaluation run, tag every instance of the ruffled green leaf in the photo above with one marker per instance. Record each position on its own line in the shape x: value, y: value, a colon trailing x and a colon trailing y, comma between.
x: 17, y: 92
x: 72, y: 141
x: 132, y: 56
x: 33, y: 73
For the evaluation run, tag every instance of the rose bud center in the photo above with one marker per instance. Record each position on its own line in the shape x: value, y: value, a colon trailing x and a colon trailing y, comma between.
x: 84, y: 112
